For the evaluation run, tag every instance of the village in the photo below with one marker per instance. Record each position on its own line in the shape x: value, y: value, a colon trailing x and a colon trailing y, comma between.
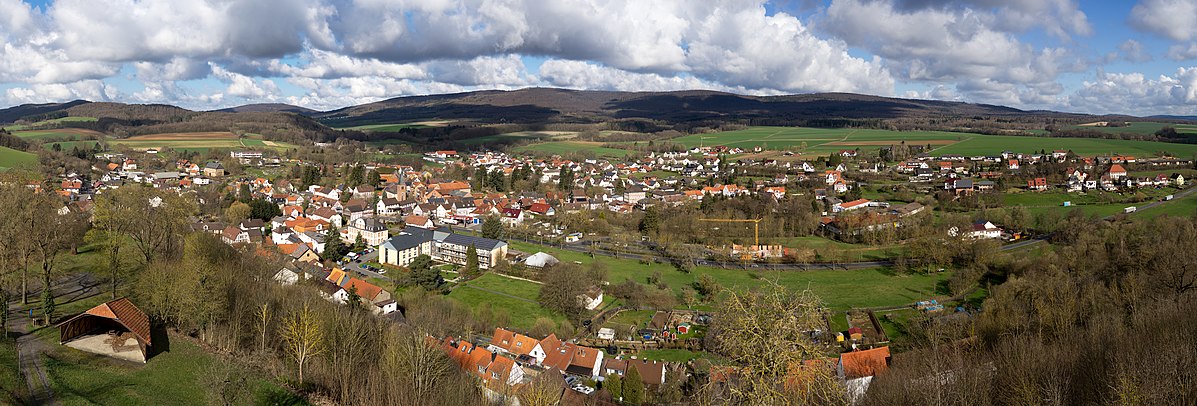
x: 356, y: 239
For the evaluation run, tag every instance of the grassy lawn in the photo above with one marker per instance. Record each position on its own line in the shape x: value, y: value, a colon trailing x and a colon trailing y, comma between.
x: 176, y: 377
x: 838, y: 289
x: 839, y: 322
x: 897, y: 323
x: 12, y: 384
x: 11, y: 158
x: 521, y: 312
x: 514, y: 287
x: 628, y: 321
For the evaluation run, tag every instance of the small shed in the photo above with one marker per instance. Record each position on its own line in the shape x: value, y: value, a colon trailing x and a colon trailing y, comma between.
x: 107, y: 328
x: 683, y: 328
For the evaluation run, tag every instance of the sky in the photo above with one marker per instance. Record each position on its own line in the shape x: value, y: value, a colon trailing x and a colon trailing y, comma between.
x: 1124, y: 57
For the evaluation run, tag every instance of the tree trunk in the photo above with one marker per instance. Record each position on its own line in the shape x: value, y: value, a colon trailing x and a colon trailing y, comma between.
x: 25, y: 285
x: 114, y: 265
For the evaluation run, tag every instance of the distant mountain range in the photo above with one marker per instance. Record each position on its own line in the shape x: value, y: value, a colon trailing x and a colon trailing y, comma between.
x: 268, y: 108
x: 534, y: 106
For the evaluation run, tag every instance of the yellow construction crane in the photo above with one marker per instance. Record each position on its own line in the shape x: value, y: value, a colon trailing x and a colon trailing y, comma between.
x: 756, y: 227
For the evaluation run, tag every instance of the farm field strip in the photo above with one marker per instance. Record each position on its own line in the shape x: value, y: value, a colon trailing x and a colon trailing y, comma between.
x: 821, y: 140
x: 21, y: 127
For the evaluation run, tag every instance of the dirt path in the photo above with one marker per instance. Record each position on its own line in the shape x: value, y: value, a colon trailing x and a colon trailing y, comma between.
x: 29, y: 347
x: 29, y: 351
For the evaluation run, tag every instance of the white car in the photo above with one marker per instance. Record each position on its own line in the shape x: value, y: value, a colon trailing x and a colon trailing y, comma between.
x: 583, y: 389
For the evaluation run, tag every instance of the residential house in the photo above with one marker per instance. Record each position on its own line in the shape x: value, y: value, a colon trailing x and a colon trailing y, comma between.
x: 418, y: 221
x: 857, y: 369
x: 213, y: 169
x: 983, y: 229
x: 652, y: 373
x: 517, y: 344
x: 1038, y: 184
x: 1116, y: 172
x: 234, y: 235
x: 511, y: 217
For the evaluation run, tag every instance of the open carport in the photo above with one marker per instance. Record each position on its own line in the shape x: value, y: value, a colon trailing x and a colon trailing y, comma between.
x: 116, y: 329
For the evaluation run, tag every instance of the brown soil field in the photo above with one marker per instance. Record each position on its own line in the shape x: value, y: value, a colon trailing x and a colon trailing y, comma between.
x: 183, y: 136
x: 882, y: 143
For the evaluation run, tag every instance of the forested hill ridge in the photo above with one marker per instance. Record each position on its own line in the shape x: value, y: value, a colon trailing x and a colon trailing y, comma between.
x: 121, y: 120
x: 685, y: 111
x: 268, y: 108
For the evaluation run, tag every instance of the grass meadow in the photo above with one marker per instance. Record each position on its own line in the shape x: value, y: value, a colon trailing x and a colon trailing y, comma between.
x: 11, y: 158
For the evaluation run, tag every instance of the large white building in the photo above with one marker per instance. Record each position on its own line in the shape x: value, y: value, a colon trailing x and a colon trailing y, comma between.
x: 372, y: 231
x: 442, y: 246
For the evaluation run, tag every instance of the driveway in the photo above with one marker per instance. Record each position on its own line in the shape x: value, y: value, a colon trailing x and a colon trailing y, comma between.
x: 357, y: 267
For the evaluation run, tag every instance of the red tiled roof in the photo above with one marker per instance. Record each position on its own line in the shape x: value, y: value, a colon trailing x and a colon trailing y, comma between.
x: 860, y: 364
x: 124, y: 312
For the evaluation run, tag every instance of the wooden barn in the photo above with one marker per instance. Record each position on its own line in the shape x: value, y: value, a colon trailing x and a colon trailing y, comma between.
x: 108, y: 329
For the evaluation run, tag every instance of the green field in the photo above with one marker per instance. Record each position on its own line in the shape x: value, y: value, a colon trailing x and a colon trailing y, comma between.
x: 520, y: 136
x: 11, y: 158
x: 1091, y: 203
x: 823, y: 141
x: 20, y: 127
x: 566, y: 147
x: 41, y: 135
x: 1139, y: 127
x: 384, y: 128
x: 522, y: 312
x: 995, y: 144
x: 838, y: 289
x: 199, y: 143
x: 1185, y: 206
x: 67, y: 145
